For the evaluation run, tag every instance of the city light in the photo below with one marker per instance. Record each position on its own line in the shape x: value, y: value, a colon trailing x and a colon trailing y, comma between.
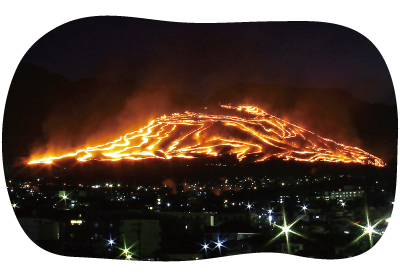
x: 205, y: 247
x: 368, y: 230
x: 126, y: 250
x: 286, y: 229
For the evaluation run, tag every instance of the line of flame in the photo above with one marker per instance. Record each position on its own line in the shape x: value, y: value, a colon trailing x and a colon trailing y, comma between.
x: 276, y: 136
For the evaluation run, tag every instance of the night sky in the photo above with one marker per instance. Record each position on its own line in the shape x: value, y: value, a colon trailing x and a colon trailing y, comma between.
x: 204, y: 58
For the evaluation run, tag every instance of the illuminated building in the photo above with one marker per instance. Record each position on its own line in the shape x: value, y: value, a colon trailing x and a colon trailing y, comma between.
x: 347, y: 195
x: 206, y: 219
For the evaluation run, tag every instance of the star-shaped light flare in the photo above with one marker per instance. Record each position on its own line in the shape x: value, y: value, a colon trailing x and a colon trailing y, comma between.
x: 205, y: 247
x: 249, y: 206
x: 63, y: 197
x: 286, y: 229
x: 368, y: 230
x: 110, y: 241
x: 219, y: 244
x: 304, y: 208
x: 126, y: 251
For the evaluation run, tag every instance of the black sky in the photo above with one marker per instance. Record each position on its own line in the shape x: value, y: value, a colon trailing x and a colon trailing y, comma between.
x: 204, y: 58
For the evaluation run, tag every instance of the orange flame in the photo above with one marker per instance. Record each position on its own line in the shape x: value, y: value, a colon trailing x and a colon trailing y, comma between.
x: 190, y: 135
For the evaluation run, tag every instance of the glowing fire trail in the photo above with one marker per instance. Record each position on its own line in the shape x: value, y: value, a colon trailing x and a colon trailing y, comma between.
x: 190, y: 135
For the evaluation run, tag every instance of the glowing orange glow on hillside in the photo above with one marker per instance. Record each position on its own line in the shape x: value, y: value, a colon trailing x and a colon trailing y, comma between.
x: 190, y: 135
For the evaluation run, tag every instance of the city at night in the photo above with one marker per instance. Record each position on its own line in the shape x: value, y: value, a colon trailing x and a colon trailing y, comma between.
x: 146, y: 140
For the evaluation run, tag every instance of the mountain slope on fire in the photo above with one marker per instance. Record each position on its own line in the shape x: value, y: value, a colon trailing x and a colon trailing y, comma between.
x: 243, y: 131
x: 49, y: 115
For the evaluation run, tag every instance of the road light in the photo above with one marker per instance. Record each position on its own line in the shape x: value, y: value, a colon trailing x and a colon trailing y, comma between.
x: 205, y: 247
x: 368, y: 229
x: 286, y: 230
x: 304, y: 208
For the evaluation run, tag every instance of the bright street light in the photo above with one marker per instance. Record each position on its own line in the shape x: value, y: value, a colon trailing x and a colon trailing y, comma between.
x: 286, y: 229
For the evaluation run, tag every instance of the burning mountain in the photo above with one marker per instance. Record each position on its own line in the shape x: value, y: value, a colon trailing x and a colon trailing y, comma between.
x: 242, y: 131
